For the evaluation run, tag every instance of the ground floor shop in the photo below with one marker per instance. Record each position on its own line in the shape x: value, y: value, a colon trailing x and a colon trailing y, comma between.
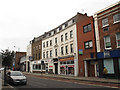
x: 111, y: 61
x: 67, y: 65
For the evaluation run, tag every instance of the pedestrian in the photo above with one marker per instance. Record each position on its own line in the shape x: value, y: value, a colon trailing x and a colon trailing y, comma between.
x: 105, y: 71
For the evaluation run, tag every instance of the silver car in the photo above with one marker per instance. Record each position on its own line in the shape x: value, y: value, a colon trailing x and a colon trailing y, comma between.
x: 16, y: 77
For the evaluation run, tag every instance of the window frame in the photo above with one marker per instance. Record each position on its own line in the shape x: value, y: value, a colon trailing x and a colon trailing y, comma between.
x: 117, y: 39
x: 88, y: 42
x: 114, y: 18
x: 86, y: 29
x: 105, y: 22
x: 107, y: 42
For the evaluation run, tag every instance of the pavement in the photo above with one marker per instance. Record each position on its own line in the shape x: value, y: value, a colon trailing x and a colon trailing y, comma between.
x: 90, y: 79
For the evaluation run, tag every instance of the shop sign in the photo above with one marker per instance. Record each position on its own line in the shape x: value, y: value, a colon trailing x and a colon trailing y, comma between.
x: 70, y: 65
x: 50, y: 66
x: 106, y: 54
x: 80, y: 52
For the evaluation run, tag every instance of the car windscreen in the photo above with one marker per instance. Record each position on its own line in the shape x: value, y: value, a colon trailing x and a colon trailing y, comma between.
x: 16, y: 74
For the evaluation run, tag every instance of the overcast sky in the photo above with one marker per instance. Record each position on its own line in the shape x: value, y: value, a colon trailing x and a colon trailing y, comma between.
x: 22, y: 20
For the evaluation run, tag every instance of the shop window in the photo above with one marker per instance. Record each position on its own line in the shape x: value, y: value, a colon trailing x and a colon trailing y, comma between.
x: 108, y: 63
x: 105, y: 22
x: 118, y: 39
x: 116, y: 18
x: 107, y: 42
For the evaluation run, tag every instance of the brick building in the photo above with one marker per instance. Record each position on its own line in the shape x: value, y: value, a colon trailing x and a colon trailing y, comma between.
x: 86, y: 47
x: 107, y: 28
x: 18, y: 55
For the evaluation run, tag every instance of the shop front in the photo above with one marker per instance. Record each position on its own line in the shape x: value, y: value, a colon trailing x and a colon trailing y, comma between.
x: 111, y: 61
x: 67, y: 66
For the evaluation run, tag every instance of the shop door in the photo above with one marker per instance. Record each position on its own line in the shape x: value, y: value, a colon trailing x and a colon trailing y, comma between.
x: 56, y: 68
x: 92, y: 70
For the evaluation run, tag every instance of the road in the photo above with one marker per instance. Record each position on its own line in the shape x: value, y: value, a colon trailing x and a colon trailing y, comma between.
x: 39, y: 82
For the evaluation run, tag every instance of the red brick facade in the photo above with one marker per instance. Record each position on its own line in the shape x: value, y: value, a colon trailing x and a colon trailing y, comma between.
x: 17, y: 59
x: 82, y: 37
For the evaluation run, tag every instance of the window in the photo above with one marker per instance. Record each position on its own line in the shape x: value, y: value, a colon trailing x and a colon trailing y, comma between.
x: 66, y: 24
x: 105, y: 22
x: 108, y: 63
x: 87, y: 28
x: 47, y: 44
x: 50, y: 53
x: 61, y: 38
x: 55, y: 52
x: 47, y: 54
x: 55, y: 32
x: 36, y: 56
x: 71, y: 33
x: 50, y: 34
x: 116, y: 18
x: 39, y: 55
x: 118, y: 39
x: 60, y: 28
x: 71, y: 48
x: 88, y: 44
x: 43, y: 54
x: 36, y: 48
x: 62, y: 53
x: 56, y: 40
x: 39, y: 46
x: 107, y: 42
x: 50, y: 42
x: 44, y: 45
x: 66, y: 49
x: 106, y: 29
x: 66, y: 37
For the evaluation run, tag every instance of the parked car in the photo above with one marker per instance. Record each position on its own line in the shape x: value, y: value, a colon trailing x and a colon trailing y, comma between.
x: 16, y: 77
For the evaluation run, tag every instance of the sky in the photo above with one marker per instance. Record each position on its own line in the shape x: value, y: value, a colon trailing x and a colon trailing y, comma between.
x: 22, y: 20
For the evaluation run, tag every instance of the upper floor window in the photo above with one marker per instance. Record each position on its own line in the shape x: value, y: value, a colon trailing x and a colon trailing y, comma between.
x: 88, y: 44
x: 87, y: 28
x: 116, y: 18
x: 105, y: 22
x: 66, y: 49
x: 66, y: 24
x: 61, y: 38
x: 55, y: 32
x: 71, y: 33
x: 39, y: 46
x: 107, y: 42
x: 62, y: 53
x: 55, y: 40
x: 50, y: 42
x: 47, y: 44
x: 66, y: 36
x: 44, y: 45
x: 50, y: 53
x: 118, y: 39
x: 71, y: 48
x: 47, y: 54
x: 106, y: 29
x: 43, y: 54
x: 60, y: 28
x: 55, y: 52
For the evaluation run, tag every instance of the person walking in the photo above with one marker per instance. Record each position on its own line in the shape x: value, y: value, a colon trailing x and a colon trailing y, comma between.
x: 105, y: 71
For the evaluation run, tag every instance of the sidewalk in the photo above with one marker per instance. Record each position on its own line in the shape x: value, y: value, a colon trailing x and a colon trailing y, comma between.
x: 90, y: 79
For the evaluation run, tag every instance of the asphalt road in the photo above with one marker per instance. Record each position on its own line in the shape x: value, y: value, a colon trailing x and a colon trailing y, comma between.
x: 38, y: 82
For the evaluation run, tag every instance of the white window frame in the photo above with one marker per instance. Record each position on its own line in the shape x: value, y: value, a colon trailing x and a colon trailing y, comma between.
x: 116, y: 16
x: 117, y: 40
x: 105, y: 22
x: 107, y: 42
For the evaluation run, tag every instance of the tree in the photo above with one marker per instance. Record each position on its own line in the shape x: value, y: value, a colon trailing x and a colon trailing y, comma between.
x: 7, y: 57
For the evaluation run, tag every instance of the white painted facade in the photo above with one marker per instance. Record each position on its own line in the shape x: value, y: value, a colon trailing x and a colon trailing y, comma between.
x: 68, y: 29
